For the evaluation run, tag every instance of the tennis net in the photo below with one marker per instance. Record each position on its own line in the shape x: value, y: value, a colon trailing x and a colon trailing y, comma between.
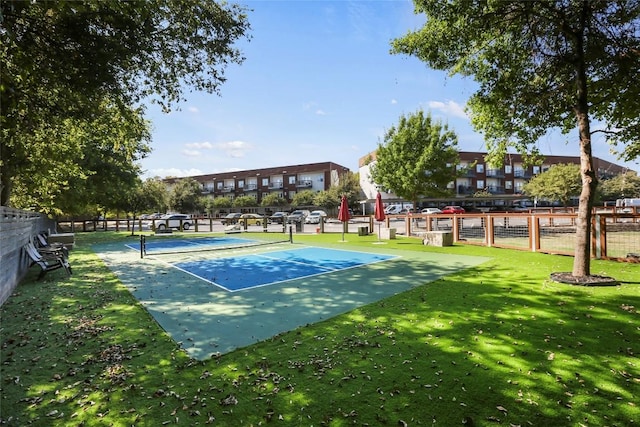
x: 152, y: 245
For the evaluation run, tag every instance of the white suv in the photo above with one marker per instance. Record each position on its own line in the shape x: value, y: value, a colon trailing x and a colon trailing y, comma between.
x: 172, y: 221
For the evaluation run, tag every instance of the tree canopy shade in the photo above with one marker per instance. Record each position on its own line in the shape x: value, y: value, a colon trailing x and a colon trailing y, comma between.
x: 417, y: 158
x: 63, y: 60
x: 560, y: 183
x: 541, y: 65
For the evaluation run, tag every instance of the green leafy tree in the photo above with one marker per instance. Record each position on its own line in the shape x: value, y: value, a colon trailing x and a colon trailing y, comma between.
x: 348, y: 185
x: 303, y: 198
x: 417, y: 158
x: 62, y: 60
x: 244, y: 201
x: 213, y: 206
x: 328, y: 199
x: 560, y: 183
x: 621, y: 186
x: 273, y: 199
x: 158, y: 195
x: 541, y: 65
x: 137, y: 199
x: 87, y: 163
x: 185, y: 196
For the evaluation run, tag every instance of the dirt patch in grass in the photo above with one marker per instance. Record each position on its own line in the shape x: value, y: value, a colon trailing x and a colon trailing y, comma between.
x: 592, y: 280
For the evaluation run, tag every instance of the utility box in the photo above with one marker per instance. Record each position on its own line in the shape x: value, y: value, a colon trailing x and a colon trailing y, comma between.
x: 438, y: 238
x: 363, y: 231
x: 388, y: 233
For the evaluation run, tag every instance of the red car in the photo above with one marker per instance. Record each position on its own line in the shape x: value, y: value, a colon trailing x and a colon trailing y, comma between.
x: 452, y: 210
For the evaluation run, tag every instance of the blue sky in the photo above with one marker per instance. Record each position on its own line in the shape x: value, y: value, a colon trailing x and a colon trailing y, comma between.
x: 318, y: 84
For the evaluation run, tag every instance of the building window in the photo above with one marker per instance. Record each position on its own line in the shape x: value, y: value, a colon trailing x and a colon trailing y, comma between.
x: 292, y: 179
x: 536, y: 170
x: 241, y: 184
x: 265, y: 182
x: 219, y: 185
x: 480, y: 184
x: 508, y: 185
x: 480, y: 168
x: 507, y: 168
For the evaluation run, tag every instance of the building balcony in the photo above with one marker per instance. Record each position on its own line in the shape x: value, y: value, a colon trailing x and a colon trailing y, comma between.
x: 228, y: 189
x: 276, y: 186
x: 251, y: 187
x: 304, y: 184
x: 495, y: 189
x: 465, y: 189
x: 522, y: 174
x: 495, y: 173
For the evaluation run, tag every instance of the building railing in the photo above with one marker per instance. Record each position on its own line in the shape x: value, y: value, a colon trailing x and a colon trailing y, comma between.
x: 307, y: 183
x: 276, y: 186
x: 522, y: 174
x: 495, y: 173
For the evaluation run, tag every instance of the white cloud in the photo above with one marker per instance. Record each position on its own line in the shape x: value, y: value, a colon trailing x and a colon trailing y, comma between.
x: 449, y: 108
x: 193, y: 110
x: 320, y: 113
x: 234, y: 148
x: 394, y: 102
x: 200, y: 145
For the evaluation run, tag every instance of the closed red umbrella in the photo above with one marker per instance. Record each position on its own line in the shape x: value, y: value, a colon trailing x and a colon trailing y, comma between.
x: 379, y: 209
x: 378, y: 212
x: 343, y: 213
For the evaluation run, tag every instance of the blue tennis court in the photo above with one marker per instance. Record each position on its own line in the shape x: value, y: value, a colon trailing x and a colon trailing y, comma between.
x: 262, y: 291
x: 238, y: 273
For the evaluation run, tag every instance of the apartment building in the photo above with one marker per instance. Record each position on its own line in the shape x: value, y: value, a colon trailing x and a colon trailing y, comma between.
x: 507, y: 180
x: 285, y: 181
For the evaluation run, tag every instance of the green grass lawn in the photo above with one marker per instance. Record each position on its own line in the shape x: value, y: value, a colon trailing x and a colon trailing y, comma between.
x: 498, y: 344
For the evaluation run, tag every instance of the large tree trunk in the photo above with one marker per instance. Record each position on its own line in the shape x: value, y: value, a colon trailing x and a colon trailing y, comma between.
x: 582, y: 254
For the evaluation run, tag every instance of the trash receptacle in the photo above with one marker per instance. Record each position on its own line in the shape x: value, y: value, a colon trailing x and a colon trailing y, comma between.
x: 363, y: 231
x: 299, y: 226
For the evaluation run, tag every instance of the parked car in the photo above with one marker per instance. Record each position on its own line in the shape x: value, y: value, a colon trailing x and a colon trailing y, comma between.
x: 297, y: 216
x: 251, y: 219
x: 453, y: 210
x: 431, y: 211
x: 315, y: 217
x: 231, y: 219
x: 172, y: 221
x: 278, y: 218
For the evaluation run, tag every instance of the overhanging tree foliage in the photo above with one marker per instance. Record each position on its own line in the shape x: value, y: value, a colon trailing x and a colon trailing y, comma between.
x: 417, y: 158
x: 63, y: 60
x: 541, y: 65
